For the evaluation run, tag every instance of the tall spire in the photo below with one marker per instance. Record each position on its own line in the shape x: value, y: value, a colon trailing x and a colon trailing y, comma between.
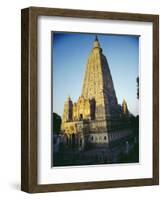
x: 98, y: 83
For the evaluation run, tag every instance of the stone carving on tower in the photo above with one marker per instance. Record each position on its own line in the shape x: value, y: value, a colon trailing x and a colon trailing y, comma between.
x: 97, y: 114
x: 98, y: 83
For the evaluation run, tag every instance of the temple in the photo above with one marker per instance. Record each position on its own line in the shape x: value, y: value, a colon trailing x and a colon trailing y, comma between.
x: 96, y: 118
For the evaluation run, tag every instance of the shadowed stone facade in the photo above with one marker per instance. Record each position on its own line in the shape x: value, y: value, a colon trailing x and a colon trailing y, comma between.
x: 96, y: 118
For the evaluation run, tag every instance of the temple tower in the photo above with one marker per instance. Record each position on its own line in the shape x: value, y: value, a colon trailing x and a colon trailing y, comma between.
x: 68, y: 108
x: 98, y: 83
x: 96, y: 116
x: 124, y: 107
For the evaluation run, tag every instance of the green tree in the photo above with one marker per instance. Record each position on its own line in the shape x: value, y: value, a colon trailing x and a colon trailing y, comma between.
x: 137, y: 80
x: 56, y: 123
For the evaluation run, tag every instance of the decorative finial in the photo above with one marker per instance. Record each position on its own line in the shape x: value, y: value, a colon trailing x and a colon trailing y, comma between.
x: 96, y: 38
x: 96, y: 43
x: 69, y: 98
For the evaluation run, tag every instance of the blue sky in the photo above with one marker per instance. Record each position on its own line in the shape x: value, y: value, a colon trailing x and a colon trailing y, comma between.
x: 70, y: 52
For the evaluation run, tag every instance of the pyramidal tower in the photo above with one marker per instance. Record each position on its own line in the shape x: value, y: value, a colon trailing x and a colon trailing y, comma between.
x: 98, y: 83
x: 95, y: 116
